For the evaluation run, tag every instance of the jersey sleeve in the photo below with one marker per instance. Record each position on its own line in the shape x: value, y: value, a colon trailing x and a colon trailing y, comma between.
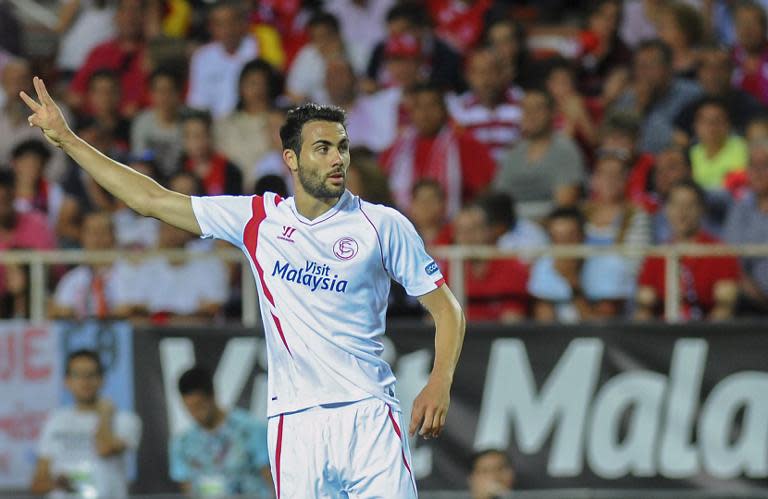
x: 223, y: 217
x: 405, y: 258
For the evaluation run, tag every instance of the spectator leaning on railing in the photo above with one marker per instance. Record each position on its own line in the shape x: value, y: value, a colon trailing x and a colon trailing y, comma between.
x: 708, y: 285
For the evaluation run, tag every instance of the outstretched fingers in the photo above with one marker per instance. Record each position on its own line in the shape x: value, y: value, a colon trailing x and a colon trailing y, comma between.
x: 42, y: 93
x: 29, y: 101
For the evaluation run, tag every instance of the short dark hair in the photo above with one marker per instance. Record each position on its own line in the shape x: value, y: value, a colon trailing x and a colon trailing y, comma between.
x: 692, y: 186
x: 427, y: 87
x: 103, y: 74
x: 622, y: 122
x: 499, y: 208
x: 273, y: 77
x: 658, y: 45
x: 175, y: 76
x: 409, y: 12
x: 290, y: 132
x: 716, y: 102
x: 197, y: 115
x: 568, y: 213
x: 196, y: 379
x: 271, y: 183
x: 321, y: 18
x: 84, y: 353
x: 488, y: 452
x: 689, y: 22
x: 7, y: 179
x: 31, y: 146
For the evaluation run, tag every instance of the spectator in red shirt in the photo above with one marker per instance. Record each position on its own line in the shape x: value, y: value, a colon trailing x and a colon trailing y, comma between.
x: 34, y: 192
x: 434, y: 148
x: 218, y: 174
x: 428, y: 212
x: 125, y: 55
x: 19, y: 229
x: 496, y: 289
x: 708, y: 285
x: 619, y: 137
x: 751, y: 52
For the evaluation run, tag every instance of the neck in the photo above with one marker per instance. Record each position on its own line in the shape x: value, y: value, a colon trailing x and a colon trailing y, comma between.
x: 712, y: 148
x: 256, y: 107
x: 489, y: 100
x: 689, y: 237
x: 762, y: 202
x: 218, y: 418
x: 166, y: 116
x: 86, y: 406
x: 311, y: 207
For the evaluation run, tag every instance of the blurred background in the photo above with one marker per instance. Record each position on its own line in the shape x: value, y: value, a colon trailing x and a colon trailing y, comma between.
x: 591, y: 176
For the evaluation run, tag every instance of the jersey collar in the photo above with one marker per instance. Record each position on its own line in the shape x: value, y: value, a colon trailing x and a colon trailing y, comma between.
x: 343, y: 200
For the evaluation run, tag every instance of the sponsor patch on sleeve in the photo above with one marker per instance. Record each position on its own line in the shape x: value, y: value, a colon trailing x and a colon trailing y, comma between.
x: 431, y: 268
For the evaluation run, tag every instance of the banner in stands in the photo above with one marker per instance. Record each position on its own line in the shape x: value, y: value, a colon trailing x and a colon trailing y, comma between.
x: 609, y: 406
x: 32, y: 359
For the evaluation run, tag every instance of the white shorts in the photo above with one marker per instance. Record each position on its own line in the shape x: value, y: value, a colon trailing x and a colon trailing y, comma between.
x: 351, y: 450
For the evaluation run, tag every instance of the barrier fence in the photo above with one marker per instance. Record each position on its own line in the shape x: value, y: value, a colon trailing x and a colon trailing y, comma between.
x: 454, y: 255
x: 587, y: 409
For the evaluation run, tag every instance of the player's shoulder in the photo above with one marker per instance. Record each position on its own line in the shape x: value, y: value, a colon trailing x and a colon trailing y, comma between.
x: 383, y: 217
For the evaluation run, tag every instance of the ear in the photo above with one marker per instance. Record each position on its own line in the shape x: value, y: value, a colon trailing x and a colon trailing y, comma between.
x: 290, y: 159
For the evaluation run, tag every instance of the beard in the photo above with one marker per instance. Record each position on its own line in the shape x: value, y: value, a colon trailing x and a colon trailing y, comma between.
x: 314, y: 183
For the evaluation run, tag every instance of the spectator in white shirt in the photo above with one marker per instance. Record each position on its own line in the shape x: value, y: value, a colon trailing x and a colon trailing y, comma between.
x: 215, y: 67
x: 306, y: 76
x: 363, y: 25
x: 82, y: 25
x: 371, y: 119
x: 187, y: 291
x: 83, y: 449
x: 93, y: 290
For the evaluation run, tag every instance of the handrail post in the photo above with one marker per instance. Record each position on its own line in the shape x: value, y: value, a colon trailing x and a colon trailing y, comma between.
x: 457, y: 277
x: 672, y: 285
x: 248, y: 297
x: 37, y: 285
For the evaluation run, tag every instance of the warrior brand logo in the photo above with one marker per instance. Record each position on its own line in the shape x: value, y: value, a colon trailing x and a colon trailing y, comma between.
x: 431, y: 268
x: 315, y: 276
x: 345, y: 248
x: 287, y: 233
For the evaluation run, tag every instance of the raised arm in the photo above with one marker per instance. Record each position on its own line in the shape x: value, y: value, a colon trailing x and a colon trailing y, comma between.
x: 138, y: 191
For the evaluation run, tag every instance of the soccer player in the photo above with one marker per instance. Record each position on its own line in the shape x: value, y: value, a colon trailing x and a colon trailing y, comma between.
x: 322, y: 262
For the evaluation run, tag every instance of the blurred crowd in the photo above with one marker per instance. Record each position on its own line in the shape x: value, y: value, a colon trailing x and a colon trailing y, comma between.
x: 503, y: 123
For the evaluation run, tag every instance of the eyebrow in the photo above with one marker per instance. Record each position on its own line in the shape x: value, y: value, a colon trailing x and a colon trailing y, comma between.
x: 325, y: 142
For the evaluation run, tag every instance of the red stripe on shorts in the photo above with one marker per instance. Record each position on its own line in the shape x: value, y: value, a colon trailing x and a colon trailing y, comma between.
x: 278, y: 451
x: 402, y: 447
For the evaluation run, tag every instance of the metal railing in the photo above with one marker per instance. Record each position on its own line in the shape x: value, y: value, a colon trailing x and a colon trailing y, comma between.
x: 454, y: 255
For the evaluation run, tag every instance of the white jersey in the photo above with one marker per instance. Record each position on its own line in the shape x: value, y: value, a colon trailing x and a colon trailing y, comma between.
x: 323, y: 287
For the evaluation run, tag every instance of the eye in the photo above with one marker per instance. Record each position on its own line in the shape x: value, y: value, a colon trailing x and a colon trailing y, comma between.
x: 322, y: 149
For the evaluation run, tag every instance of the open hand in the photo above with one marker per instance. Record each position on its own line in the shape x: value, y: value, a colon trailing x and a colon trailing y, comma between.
x: 430, y: 408
x: 47, y: 115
